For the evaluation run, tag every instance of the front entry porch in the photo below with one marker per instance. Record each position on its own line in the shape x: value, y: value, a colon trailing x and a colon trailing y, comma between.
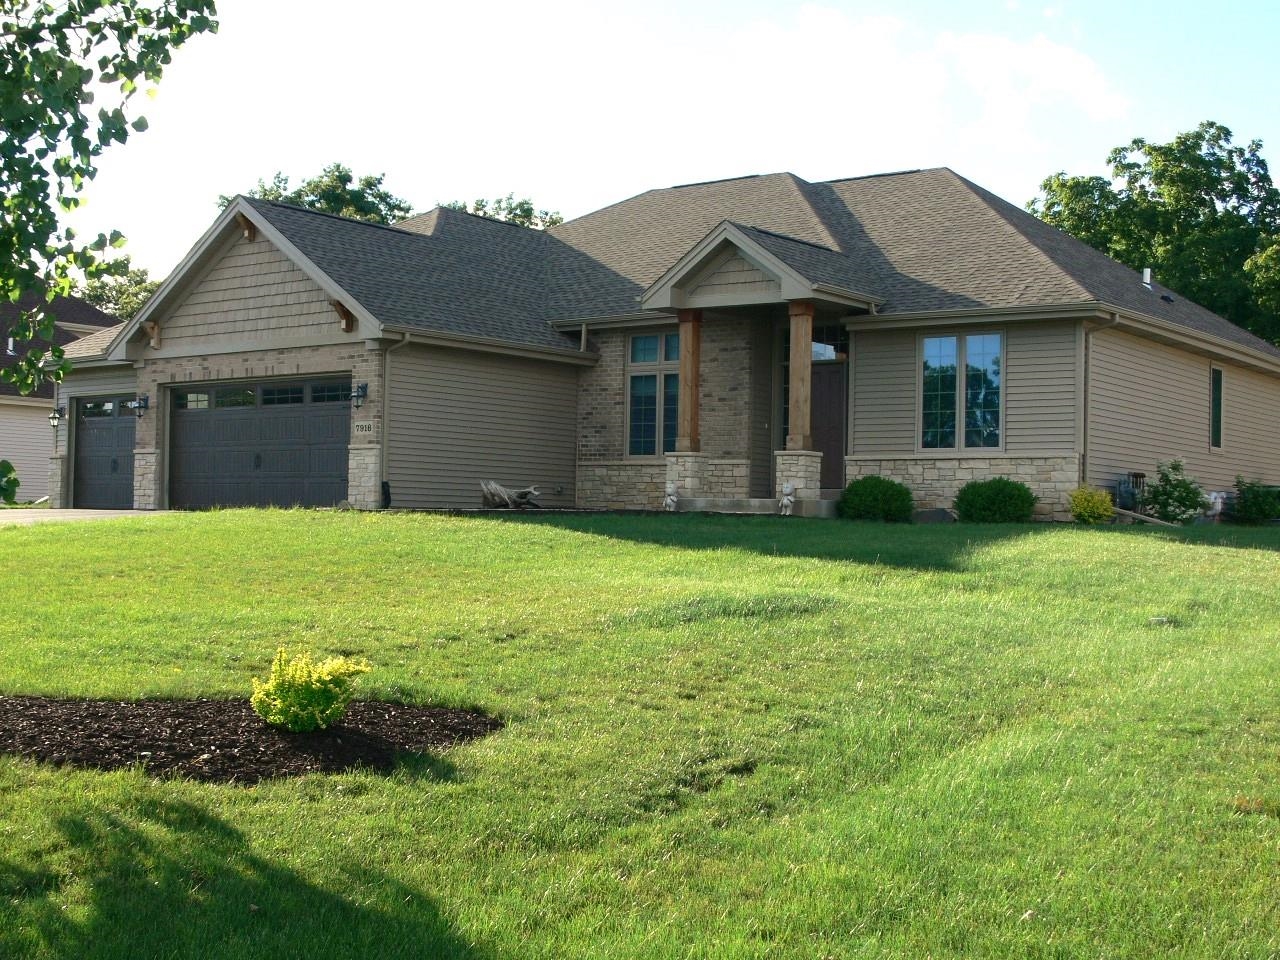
x: 784, y: 387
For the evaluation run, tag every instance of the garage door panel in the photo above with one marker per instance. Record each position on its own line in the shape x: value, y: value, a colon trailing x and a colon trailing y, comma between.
x: 277, y: 454
x: 104, y: 441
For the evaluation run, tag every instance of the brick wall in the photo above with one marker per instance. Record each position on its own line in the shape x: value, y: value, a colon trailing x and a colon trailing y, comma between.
x: 729, y: 429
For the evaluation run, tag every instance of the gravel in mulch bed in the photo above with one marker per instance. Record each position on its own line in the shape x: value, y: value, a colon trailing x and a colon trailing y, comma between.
x: 224, y: 741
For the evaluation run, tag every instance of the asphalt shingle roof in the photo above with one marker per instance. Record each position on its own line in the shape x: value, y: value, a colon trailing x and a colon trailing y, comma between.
x: 468, y: 275
x: 919, y: 240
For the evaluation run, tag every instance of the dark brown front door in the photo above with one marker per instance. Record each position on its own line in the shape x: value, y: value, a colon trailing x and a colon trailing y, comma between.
x: 830, y: 408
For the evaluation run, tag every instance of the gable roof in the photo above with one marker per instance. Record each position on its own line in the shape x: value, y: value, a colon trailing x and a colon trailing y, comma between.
x: 914, y: 242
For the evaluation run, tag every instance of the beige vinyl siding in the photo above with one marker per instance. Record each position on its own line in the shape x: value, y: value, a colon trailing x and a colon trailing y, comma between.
x: 883, y: 394
x: 460, y: 417
x: 1150, y: 402
x: 253, y: 297
x: 1040, y: 400
x: 26, y: 441
x: 1040, y: 387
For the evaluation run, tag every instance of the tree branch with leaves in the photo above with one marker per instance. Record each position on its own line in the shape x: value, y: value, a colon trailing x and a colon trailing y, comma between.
x: 55, y: 63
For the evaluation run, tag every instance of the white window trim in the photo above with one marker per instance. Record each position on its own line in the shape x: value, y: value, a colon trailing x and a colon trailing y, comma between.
x: 961, y: 359
x: 662, y: 368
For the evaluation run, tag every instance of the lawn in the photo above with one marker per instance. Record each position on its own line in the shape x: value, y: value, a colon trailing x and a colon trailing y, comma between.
x: 726, y: 737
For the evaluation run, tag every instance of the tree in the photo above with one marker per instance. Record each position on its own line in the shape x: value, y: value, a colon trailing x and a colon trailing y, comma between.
x: 510, y: 210
x: 1202, y: 212
x: 54, y: 61
x: 335, y: 190
x: 121, y: 295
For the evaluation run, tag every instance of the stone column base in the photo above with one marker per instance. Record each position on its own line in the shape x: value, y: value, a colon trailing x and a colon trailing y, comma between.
x: 57, y: 482
x: 146, y: 480
x: 687, y: 471
x: 364, y: 476
x: 800, y: 468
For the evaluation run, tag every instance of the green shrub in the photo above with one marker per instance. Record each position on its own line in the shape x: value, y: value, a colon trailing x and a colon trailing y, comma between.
x: 301, y: 695
x: 1173, y: 496
x: 1255, y: 503
x: 876, y: 498
x: 1090, y: 505
x: 998, y: 500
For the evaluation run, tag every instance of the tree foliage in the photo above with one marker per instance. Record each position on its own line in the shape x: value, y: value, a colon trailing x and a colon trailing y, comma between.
x: 336, y: 190
x: 1201, y: 211
x: 56, y: 61
x: 121, y: 295
x: 510, y: 210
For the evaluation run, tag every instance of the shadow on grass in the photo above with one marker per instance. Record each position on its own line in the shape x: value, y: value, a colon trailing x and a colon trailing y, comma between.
x: 938, y: 546
x: 913, y: 546
x: 167, y: 879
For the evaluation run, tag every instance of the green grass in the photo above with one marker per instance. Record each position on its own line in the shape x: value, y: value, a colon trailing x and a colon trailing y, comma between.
x: 727, y: 737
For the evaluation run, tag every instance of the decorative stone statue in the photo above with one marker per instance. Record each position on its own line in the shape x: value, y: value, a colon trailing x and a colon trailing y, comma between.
x: 669, y: 500
x: 788, y: 501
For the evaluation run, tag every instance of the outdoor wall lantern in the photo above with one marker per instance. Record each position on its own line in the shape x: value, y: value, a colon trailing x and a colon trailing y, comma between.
x: 139, y: 405
x: 358, y: 395
x: 55, y: 418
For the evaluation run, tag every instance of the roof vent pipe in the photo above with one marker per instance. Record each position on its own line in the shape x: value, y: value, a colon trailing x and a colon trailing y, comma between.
x: 1146, y: 277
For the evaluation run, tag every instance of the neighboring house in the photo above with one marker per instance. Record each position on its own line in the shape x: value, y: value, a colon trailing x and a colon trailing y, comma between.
x: 26, y: 440
x: 728, y: 337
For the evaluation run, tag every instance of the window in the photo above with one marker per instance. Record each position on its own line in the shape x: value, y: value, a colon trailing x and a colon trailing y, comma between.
x: 653, y: 393
x: 93, y: 409
x: 190, y: 400
x: 961, y: 412
x: 1215, y: 408
x: 276, y: 396
x: 235, y: 397
x: 330, y: 393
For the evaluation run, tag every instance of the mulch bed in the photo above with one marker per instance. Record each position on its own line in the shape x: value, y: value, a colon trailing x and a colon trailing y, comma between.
x: 224, y: 741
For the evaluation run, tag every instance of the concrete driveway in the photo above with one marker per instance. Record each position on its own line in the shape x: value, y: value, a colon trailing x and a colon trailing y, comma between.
x: 22, y: 518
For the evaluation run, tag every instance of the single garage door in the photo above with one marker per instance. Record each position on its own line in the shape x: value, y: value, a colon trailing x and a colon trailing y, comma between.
x: 276, y: 443
x: 103, y: 440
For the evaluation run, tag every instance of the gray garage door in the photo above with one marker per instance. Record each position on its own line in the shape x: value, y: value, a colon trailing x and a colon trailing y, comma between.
x: 103, y: 438
x: 276, y: 443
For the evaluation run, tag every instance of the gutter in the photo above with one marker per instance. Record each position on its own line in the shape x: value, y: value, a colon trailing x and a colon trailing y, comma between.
x: 492, y: 345
x: 1084, y: 400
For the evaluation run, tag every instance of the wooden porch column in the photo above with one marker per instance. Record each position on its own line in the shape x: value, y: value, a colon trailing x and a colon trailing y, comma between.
x: 687, y: 438
x: 801, y: 367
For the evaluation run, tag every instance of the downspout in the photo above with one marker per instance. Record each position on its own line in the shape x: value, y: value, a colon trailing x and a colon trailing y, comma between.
x: 386, y: 415
x: 1084, y: 425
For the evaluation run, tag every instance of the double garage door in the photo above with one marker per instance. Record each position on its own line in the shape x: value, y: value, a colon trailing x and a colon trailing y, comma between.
x: 274, y: 443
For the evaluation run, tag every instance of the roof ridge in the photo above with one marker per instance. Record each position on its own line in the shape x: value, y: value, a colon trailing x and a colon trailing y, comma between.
x: 708, y: 183
x: 798, y: 184
x: 334, y: 216
x: 983, y: 198
x: 890, y: 173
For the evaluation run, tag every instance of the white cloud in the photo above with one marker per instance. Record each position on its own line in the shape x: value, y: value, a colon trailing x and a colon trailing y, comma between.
x: 579, y: 105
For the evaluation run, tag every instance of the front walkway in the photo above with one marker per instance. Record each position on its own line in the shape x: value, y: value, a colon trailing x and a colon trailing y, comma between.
x: 22, y: 518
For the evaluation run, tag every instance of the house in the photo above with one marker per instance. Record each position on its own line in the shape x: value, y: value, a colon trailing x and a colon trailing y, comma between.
x: 728, y: 337
x: 25, y: 438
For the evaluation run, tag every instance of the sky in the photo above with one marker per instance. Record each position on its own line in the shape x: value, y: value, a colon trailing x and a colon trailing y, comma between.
x: 581, y: 104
